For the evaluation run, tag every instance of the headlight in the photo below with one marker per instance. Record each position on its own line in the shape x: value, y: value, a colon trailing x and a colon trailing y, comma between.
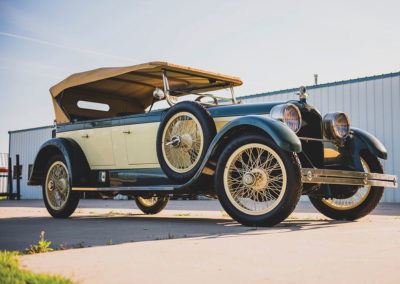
x: 336, y: 125
x: 288, y: 114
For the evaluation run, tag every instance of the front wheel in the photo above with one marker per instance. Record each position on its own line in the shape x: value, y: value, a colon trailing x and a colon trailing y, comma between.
x: 151, y: 205
x: 258, y: 183
x: 58, y: 196
x: 360, y: 204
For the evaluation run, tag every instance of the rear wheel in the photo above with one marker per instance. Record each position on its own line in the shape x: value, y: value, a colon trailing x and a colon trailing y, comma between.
x: 258, y: 184
x: 58, y: 196
x: 360, y: 204
x: 151, y: 205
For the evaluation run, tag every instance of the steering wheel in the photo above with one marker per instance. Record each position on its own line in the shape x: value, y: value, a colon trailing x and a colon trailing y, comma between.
x: 199, y: 98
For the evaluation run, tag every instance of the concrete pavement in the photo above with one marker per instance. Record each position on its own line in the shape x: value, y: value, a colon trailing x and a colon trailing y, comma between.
x: 195, y: 242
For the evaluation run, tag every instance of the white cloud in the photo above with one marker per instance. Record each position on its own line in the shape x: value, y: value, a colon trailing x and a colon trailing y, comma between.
x: 80, y: 50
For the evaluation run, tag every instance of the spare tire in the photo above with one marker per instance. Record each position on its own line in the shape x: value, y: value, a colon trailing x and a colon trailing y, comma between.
x: 183, y: 139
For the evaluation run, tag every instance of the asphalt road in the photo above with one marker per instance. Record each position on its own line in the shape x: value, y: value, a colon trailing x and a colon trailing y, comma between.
x: 195, y: 242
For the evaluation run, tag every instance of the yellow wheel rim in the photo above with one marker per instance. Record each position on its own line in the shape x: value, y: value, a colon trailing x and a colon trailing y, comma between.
x: 182, y: 142
x: 352, y: 201
x: 255, y: 179
x: 57, y: 187
x: 148, y: 202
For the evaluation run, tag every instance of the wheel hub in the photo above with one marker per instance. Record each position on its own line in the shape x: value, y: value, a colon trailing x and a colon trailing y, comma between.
x: 187, y: 141
x: 63, y: 184
x: 175, y: 141
x: 257, y: 179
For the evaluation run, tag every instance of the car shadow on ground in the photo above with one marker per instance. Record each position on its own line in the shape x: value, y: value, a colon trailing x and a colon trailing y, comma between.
x: 108, y: 229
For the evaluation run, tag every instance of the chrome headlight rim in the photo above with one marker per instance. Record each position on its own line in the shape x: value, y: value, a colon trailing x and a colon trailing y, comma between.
x: 279, y: 113
x: 330, y: 126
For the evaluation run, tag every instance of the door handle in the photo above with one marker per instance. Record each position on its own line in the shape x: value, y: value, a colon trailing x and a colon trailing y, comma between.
x: 85, y: 136
x: 126, y: 132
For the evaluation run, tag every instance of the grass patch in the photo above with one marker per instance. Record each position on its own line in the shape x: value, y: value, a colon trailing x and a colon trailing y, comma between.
x: 10, y: 272
x: 109, y: 243
x: 116, y: 213
x: 293, y: 218
x: 224, y: 214
x: 315, y: 218
x: 42, y: 246
x: 182, y: 214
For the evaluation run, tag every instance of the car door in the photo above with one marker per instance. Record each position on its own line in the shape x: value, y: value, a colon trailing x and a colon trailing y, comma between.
x: 140, y: 143
x: 98, y: 148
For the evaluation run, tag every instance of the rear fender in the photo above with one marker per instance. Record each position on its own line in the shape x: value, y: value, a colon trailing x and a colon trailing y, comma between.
x: 75, y: 159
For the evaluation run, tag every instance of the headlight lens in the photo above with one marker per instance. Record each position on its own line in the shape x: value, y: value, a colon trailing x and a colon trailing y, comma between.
x: 288, y: 114
x: 336, y: 125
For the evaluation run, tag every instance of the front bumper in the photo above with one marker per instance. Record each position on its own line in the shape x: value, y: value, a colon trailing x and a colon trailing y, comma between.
x: 325, y: 176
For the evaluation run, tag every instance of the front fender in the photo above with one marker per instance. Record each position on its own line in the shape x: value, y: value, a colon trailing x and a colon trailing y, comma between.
x: 282, y: 135
x: 279, y: 132
x: 75, y: 159
x: 366, y: 140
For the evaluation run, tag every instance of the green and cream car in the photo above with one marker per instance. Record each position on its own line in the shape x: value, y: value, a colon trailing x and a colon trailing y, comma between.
x: 257, y: 159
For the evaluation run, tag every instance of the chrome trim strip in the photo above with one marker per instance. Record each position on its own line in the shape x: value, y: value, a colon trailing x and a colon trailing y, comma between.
x: 316, y: 139
x: 127, y: 188
x: 325, y: 176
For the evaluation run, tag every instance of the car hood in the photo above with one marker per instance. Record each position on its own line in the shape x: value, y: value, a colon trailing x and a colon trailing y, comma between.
x: 242, y: 109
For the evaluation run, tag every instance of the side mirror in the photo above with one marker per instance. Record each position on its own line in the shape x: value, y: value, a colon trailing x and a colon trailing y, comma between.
x: 158, y: 94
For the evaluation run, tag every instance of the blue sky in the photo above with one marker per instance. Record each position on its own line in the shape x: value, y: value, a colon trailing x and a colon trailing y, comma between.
x: 269, y: 44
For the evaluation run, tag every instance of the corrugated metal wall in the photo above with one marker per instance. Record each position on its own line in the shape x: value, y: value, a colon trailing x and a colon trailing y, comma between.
x: 26, y: 144
x: 372, y: 104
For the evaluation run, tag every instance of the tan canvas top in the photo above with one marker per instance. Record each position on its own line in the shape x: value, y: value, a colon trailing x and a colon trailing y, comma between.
x: 129, y: 89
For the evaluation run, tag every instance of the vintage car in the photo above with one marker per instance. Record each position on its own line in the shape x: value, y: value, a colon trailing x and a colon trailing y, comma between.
x: 257, y: 159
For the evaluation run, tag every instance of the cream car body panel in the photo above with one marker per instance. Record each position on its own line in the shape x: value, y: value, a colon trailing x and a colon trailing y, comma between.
x: 140, y: 144
x: 97, y: 144
x: 221, y: 121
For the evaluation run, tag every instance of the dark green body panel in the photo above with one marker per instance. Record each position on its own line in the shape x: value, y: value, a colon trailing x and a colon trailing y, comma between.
x: 278, y: 131
x: 74, y: 157
x: 370, y: 142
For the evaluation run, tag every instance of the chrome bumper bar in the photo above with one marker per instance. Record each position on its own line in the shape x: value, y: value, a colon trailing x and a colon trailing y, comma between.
x: 324, y: 176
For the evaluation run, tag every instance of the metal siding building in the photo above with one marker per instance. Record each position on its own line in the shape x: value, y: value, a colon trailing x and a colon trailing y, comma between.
x: 26, y: 144
x: 371, y: 103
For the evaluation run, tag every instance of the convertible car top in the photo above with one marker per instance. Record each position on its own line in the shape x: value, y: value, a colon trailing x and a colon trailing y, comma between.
x: 130, y: 89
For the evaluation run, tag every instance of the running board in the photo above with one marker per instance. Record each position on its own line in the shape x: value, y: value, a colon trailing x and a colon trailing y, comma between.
x: 324, y: 176
x: 128, y: 188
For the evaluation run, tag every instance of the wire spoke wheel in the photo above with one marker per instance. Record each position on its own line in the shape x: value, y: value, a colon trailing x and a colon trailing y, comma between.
x: 152, y: 204
x: 353, y: 201
x: 255, y: 179
x: 182, y: 142
x: 360, y: 203
x: 151, y: 201
x: 57, y: 187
